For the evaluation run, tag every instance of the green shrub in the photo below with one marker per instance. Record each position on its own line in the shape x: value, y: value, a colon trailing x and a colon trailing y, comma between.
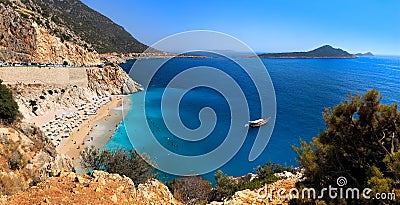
x: 122, y: 162
x: 8, y: 106
x: 360, y: 143
x: 226, y: 185
x: 266, y: 173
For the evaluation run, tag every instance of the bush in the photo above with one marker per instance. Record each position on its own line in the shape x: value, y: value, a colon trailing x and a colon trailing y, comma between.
x: 122, y: 162
x: 191, y: 189
x: 267, y: 172
x: 34, y: 105
x: 15, y: 162
x: 8, y: 106
x: 360, y: 143
x: 227, y: 185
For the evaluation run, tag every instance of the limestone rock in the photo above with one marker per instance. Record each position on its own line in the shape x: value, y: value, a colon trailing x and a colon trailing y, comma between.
x: 27, y: 158
x: 111, y: 80
x: 116, y: 190
x: 28, y: 37
x: 265, y: 195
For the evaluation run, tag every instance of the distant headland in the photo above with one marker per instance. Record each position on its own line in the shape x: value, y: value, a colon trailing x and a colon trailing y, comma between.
x: 325, y: 51
x: 364, y: 54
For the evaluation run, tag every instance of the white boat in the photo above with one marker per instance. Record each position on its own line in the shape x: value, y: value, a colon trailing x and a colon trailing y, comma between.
x: 259, y: 122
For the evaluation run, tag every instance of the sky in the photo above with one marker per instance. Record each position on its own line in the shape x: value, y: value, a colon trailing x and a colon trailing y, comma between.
x: 266, y: 25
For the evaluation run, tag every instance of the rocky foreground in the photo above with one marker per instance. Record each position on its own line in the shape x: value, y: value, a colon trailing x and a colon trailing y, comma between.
x: 105, y: 188
x: 102, y: 188
x: 26, y: 158
x: 263, y: 196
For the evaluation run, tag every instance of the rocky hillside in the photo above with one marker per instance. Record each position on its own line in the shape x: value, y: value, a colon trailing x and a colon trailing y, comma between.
x: 27, y: 36
x: 94, y: 28
x: 41, y: 99
x: 102, y: 188
x: 26, y: 158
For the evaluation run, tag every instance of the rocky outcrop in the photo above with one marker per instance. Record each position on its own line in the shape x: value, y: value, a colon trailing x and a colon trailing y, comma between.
x: 111, y: 80
x: 27, y: 157
x: 102, y: 188
x: 39, y: 100
x: 17, y: 36
x: 28, y: 37
x: 263, y: 196
x: 50, y: 49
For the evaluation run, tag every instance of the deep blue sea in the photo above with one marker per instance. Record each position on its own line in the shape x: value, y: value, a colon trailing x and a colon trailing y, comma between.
x: 303, y: 87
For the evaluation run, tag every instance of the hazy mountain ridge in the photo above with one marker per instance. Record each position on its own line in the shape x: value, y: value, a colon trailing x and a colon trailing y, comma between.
x: 364, y: 54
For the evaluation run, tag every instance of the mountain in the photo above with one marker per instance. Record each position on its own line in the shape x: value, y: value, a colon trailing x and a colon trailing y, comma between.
x: 94, y: 28
x: 27, y: 36
x: 58, y: 31
x: 364, y: 54
x: 325, y: 51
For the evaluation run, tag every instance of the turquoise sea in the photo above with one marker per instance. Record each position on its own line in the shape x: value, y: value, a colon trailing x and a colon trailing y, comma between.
x: 303, y: 87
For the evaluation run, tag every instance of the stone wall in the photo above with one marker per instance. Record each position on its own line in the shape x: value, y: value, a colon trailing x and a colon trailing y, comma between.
x: 45, y: 75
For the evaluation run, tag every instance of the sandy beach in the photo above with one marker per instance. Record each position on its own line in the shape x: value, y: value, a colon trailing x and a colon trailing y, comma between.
x: 96, y: 131
x: 105, y: 128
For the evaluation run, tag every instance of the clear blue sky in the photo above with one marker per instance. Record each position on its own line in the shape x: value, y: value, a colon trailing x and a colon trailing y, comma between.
x: 266, y: 25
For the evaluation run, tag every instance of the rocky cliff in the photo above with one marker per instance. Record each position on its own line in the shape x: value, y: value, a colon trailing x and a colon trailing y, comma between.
x: 26, y: 36
x: 111, y: 80
x: 102, y: 188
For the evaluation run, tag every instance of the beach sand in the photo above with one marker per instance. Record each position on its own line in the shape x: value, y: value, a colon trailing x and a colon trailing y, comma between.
x: 105, y: 128
x: 96, y: 131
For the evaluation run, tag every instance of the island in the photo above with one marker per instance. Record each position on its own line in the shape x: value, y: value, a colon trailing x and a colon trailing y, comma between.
x: 364, y: 54
x: 325, y: 51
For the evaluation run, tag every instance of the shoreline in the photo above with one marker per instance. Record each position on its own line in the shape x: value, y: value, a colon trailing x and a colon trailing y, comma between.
x: 104, y: 129
x: 96, y: 131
